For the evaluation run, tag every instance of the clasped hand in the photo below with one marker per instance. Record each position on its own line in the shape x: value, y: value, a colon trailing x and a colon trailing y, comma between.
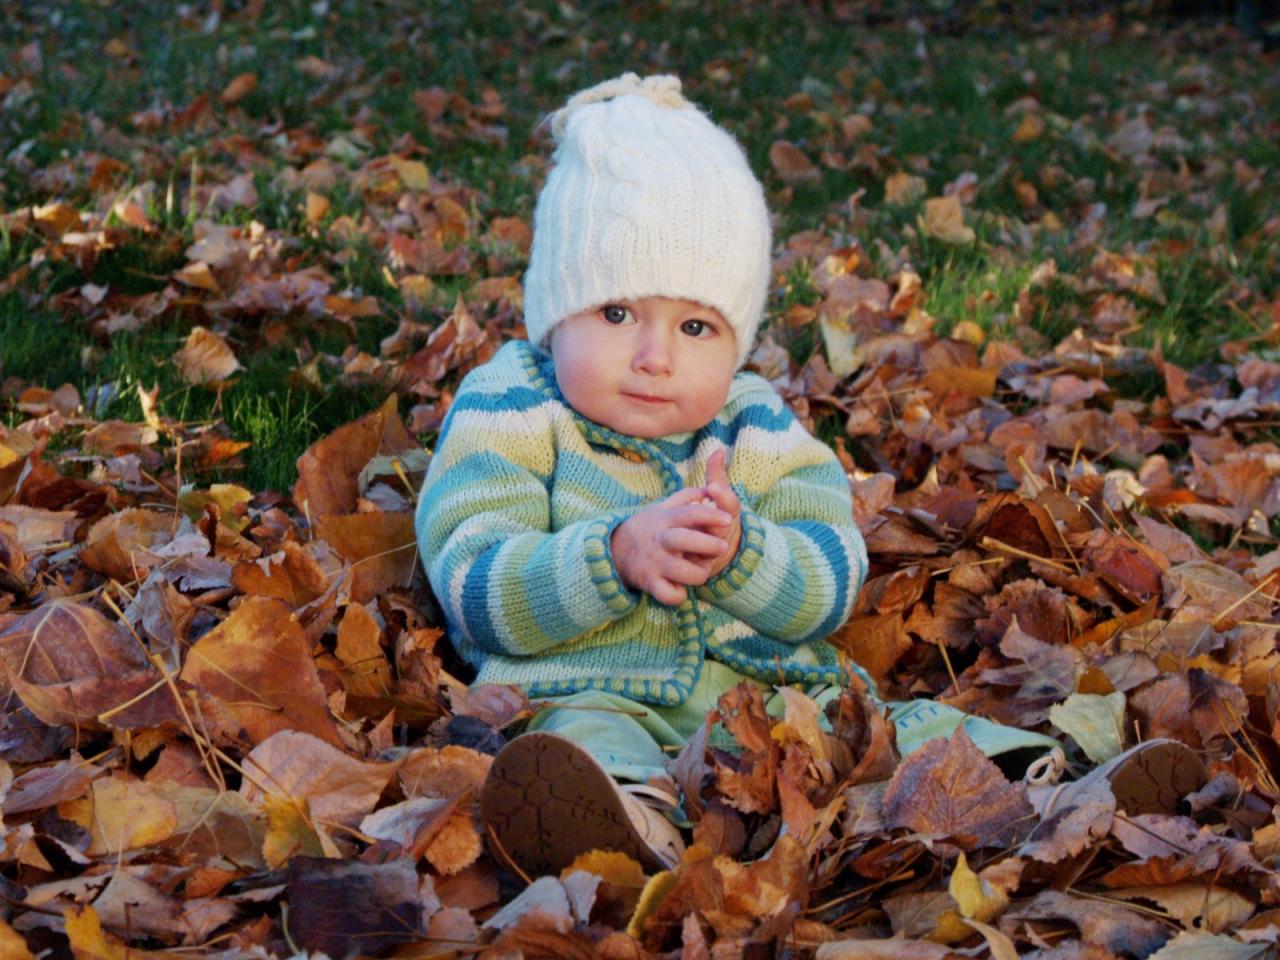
x: 682, y: 541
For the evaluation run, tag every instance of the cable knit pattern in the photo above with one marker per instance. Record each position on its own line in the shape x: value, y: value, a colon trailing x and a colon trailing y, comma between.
x: 523, y: 495
x: 647, y: 197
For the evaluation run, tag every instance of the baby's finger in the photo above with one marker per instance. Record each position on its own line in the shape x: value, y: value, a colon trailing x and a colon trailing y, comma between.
x: 685, y: 496
x: 685, y: 540
x: 667, y: 593
x: 702, y: 515
x: 717, y: 471
x: 679, y: 570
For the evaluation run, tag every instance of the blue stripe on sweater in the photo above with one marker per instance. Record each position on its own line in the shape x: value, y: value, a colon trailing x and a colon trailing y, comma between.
x: 475, y: 602
x: 512, y: 400
x: 833, y: 550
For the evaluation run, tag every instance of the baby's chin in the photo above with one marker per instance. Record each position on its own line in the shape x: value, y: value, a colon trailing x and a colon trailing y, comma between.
x: 650, y: 426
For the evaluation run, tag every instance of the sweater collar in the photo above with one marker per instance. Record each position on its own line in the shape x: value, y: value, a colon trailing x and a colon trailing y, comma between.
x: 672, y: 448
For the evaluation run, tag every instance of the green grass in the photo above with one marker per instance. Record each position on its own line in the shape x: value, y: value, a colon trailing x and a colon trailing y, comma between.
x: 102, y: 67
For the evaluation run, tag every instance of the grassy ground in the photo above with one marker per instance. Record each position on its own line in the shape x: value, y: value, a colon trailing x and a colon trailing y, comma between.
x: 82, y: 77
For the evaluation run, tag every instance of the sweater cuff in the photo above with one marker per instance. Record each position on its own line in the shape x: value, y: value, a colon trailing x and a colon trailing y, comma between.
x: 750, y: 550
x: 598, y: 552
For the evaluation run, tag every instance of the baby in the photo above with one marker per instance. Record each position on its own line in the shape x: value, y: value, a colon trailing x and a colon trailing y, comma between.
x: 617, y: 518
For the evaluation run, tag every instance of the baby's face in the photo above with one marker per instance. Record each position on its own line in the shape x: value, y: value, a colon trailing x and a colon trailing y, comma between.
x: 648, y: 367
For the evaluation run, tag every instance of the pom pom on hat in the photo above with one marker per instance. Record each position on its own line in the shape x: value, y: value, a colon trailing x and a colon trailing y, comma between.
x: 647, y: 198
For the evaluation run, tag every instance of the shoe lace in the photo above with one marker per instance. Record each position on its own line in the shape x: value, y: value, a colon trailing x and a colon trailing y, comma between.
x: 1047, y: 770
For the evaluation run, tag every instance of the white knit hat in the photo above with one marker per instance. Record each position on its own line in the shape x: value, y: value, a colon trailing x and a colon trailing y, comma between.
x: 648, y: 197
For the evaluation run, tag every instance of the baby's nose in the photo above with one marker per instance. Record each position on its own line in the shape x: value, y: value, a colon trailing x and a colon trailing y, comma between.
x: 652, y: 355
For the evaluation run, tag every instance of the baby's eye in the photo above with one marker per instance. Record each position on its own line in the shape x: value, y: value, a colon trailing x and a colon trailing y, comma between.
x: 615, y: 314
x: 698, y: 328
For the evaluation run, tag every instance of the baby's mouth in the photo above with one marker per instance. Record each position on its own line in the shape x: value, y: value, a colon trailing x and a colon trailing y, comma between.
x: 645, y: 398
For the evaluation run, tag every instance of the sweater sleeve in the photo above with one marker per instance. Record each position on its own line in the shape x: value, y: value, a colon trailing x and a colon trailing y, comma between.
x: 506, y: 583
x: 801, y: 560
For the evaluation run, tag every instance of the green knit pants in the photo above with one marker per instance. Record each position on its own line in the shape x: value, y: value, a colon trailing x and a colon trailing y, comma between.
x: 633, y: 741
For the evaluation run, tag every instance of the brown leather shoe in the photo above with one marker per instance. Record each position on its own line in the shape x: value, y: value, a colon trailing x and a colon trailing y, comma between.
x: 1149, y: 778
x: 546, y: 801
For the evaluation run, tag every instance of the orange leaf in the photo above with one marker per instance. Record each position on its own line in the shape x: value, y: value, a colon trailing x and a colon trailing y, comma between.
x: 239, y: 88
x: 329, y: 471
x: 379, y: 546
x: 257, y: 670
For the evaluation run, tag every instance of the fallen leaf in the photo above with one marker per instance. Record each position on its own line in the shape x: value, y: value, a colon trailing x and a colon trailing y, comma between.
x: 205, y: 358
x: 943, y: 220
x: 347, y: 908
x: 70, y: 664
x: 256, y: 671
x: 1095, y: 722
x: 948, y: 789
x: 128, y: 815
x: 119, y: 545
x: 240, y: 87
x: 338, y: 789
x: 328, y: 471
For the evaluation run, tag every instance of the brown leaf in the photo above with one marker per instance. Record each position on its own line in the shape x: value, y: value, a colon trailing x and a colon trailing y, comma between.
x: 368, y: 672
x: 1194, y: 706
x: 875, y: 643
x: 42, y: 787
x: 381, y: 547
x: 329, y: 471
x: 1105, y: 924
x: 119, y: 545
x: 747, y: 780
x: 1070, y: 828
x: 205, y: 359
x: 240, y: 87
x: 791, y: 163
x: 861, y: 724
x: 904, y: 189
x: 292, y: 574
x: 256, y: 669
x: 948, y: 789
x: 70, y: 664
x: 338, y: 788
x: 348, y: 909
x: 443, y: 773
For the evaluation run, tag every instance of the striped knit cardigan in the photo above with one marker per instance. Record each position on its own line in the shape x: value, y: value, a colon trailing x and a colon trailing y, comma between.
x: 523, y: 494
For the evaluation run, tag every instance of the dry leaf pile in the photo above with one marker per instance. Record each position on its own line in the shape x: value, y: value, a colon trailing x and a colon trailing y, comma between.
x: 231, y: 726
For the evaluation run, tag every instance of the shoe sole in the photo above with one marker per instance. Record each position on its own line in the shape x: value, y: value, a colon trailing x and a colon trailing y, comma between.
x: 1152, y: 778
x: 547, y: 801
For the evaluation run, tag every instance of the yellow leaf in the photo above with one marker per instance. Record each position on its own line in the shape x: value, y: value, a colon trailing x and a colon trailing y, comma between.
x: 659, y: 885
x: 128, y: 815
x: 317, y: 206
x: 197, y: 274
x: 614, y: 868
x: 457, y: 845
x: 412, y: 173
x: 944, y: 220
x: 976, y: 898
x: 969, y: 332
x: 88, y: 942
x: 289, y: 831
x: 227, y: 497
x: 1031, y: 127
x: 59, y: 216
x: 12, y: 946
